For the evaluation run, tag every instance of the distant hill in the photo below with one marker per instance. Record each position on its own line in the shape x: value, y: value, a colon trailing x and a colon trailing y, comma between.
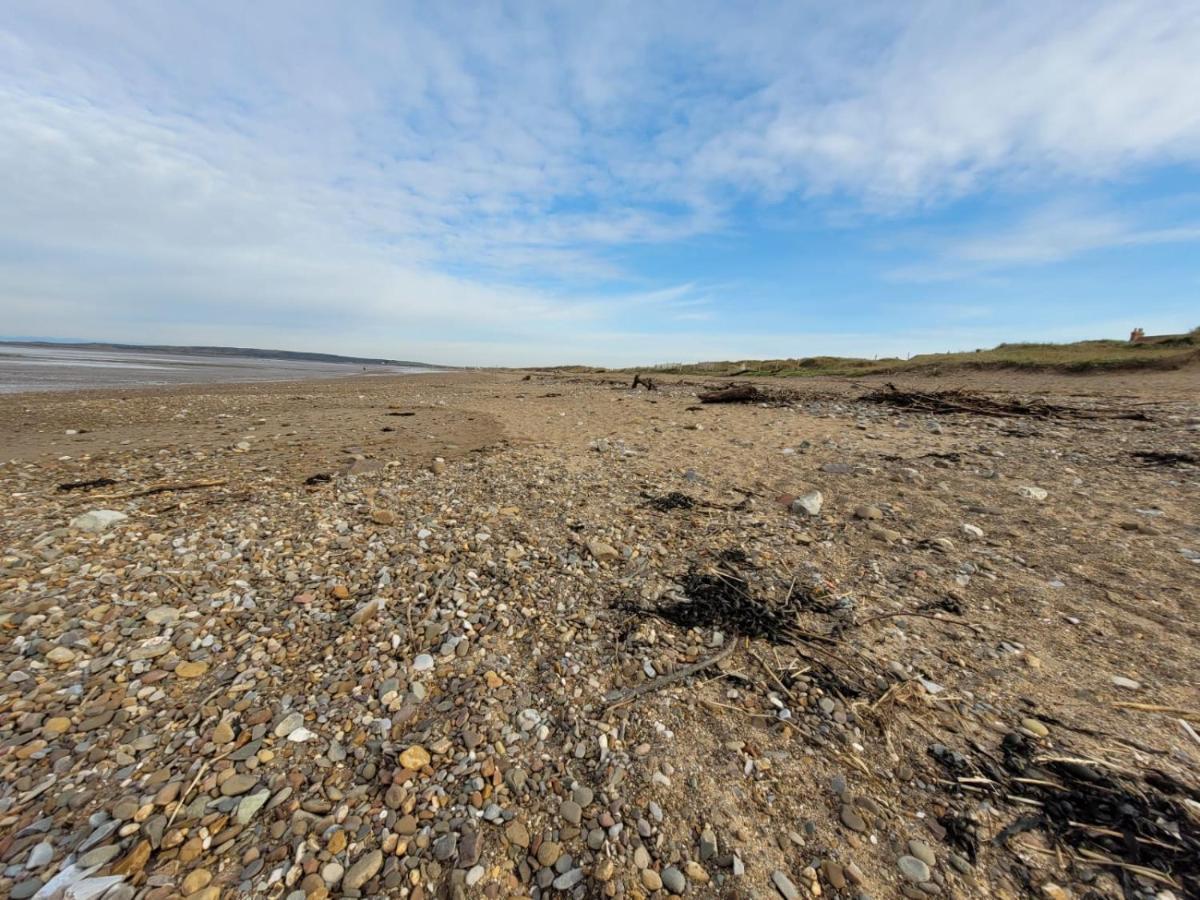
x: 252, y: 352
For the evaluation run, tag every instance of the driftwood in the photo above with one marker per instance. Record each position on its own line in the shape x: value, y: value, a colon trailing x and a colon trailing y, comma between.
x: 738, y: 393
x: 647, y: 383
x: 956, y: 401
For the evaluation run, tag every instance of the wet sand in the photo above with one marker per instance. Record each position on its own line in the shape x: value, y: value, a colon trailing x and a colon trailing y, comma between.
x: 27, y: 368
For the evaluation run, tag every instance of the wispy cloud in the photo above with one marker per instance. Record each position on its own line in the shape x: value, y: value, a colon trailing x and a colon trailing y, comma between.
x: 1049, y: 235
x: 379, y: 177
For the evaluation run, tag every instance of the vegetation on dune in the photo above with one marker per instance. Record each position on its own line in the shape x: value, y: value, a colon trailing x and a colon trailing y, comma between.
x: 1083, y: 356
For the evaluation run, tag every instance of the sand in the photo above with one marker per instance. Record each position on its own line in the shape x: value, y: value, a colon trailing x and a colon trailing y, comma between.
x: 485, y: 576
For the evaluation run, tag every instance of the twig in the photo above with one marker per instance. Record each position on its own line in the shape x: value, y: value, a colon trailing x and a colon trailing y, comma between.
x: 200, y: 774
x: 973, y: 628
x: 613, y: 698
x: 1189, y: 730
x: 162, y: 489
x: 1154, y: 707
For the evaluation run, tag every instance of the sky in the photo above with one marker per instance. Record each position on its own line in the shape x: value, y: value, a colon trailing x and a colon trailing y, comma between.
x: 607, y: 183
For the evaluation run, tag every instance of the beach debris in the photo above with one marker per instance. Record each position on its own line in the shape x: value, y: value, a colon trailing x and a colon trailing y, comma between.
x: 85, y: 485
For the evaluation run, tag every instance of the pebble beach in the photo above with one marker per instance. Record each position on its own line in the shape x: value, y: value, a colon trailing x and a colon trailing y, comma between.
x: 538, y: 635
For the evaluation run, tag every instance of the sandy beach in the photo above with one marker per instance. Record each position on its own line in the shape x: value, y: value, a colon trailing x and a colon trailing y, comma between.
x: 506, y: 635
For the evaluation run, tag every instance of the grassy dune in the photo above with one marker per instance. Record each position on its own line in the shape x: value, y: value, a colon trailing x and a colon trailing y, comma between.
x: 1084, y: 356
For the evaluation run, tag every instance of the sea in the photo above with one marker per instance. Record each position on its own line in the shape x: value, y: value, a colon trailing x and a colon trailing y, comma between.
x: 26, y: 368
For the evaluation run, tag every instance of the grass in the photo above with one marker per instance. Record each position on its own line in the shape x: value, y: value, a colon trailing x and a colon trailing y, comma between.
x: 1080, y: 357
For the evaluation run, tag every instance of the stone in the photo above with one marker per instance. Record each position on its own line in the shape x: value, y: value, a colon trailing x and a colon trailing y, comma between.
x: 250, y: 805
x: 602, y: 552
x: 134, y: 861
x: 568, y: 879
x: 913, y: 869
x: 651, y: 880
x: 1127, y: 683
x: 98, y: 520
x: 923, y: 852
x: 162, y: 615
x: 367, y: 611
x: 191, y: 669
x: 363, y: 870
x: 1034, y: 727
x: 570, y: 811
x: 383, y: 517
x: 517, y: 834
x: 423, y: 663
x: 809, y: 503
x: 196, y: 880
x: 288, y: 724
x: 1033, y: 493
x: 784, y: 885
x: 223, y: 733
x: 415, y: 757
x: 40, y: 855
x: 673, y: 880
x: 238, y: 784
x: 852, y: 818
x: 61, y: 656
x: 56, y: 726
x: 868, y: 512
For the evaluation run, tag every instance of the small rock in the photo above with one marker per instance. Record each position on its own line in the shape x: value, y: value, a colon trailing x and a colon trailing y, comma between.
x: 852, y: 819
x: 784, y: 885
x: 98, y: 520
x: 809, y: 503
x: 602, y: 552
x: 61, y: 656
x: 362, y: 871
x: 673, y: 880
x: 40, y: 855
x: 415, y: 757
x: 1033, y: 726
x: 913, y: 869
x: 190, y: 669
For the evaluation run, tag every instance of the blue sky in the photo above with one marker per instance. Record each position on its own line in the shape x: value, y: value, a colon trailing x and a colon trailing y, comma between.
x: 624, y: 183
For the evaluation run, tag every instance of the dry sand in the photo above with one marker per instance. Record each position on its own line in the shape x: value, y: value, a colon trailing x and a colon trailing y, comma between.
x: 440, y: 671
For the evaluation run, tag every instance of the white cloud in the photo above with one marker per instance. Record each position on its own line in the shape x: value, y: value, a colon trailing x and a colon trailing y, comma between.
x: 380, y: 177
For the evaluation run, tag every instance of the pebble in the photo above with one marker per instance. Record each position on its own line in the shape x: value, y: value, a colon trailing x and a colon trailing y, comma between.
x: 364, y: 869
x: 852, y: 818
x: 40, y: 855
x: 673, y: 880
x: 809, y: 503
x: 913, y: 869
x: 98, y: 520
x: 923, y: 852
x: 784, y: 885
x: 1033, y: 726
x: 651, y: 880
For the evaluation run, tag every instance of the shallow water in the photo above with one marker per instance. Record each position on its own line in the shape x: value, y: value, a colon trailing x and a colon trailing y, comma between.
x: 25, y: 369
